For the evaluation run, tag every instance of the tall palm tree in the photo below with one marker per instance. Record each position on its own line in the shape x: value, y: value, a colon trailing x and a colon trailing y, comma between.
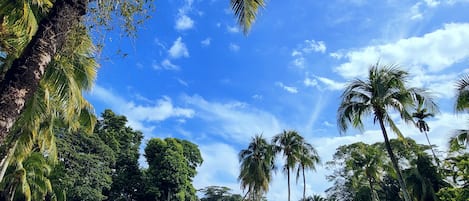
x: 58, y: 100
x: 290, y: 143
x: 384, y: 89
x: 308, y: 159
x: 257, y: 163
x: 420, y: 115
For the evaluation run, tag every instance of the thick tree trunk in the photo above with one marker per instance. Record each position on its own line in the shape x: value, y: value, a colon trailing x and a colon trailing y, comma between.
x: 394, y: 161
x: 22, y: 80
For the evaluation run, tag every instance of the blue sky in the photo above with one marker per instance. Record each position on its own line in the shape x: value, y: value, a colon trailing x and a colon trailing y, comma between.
x: 192, y: 74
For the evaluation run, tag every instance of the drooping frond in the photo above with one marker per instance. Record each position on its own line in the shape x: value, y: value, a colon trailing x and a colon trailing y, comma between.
x: 462, y: 95
x: 246, y: 12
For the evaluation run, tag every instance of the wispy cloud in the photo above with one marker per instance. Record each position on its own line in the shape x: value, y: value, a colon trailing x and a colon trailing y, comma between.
x: 307, y: 47
x: 137, y: 114
x: 178, y: 49
x: 166, y: 64
x: 206, y: 42
x: 234, y: 47
x: 289, y: 89
x: 232, y: 29
x: 233, y: 120
x: 184, y: 22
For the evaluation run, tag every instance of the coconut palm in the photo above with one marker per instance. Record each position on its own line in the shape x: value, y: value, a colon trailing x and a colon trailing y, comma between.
x: 420, y: 115
x: 59, y: 99
x: 290, y: 143
x: 385, y: 89
x: 256, y: 167
x: 308, y: 159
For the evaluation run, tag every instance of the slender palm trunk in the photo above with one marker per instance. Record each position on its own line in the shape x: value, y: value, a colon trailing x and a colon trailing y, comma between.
x: 304, y: 182
x: 433, y: 152
x: 288, y: 176
x: 21, y: 81
x: 394, y: 161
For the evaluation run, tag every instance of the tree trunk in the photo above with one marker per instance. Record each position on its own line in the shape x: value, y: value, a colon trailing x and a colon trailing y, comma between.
x: 288, y: 176
x: 394, y: 161
x: 21, y: 81
x: 304, y: 182
x: 431, y: 147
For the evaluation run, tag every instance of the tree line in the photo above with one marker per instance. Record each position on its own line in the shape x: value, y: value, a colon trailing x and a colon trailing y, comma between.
x: 361, y: 171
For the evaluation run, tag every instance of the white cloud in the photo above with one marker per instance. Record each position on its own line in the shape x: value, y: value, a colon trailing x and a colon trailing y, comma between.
x: 157, y: 111
x: 234, y: 120
x: 307, y: 47
x: 206, y: 42
x: 257, y: 97
x: 310, y: 82
x: 182, y: 82
x: 178, y: 49
x: 313, y: 46
x: 184, y: 22
x: 234, y: 47
x: 289, y: 89
x: 232, y: 29
x: 165, y: 65
x: 436, y: 51
x: 432, y: 3
x: 331, y: 84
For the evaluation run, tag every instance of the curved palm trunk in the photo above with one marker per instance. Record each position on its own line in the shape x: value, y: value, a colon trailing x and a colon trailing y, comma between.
x: 394, y: 161
x: 21, y: 81
x: 288, y: 173
x: 433, y: 152
x: 304, y: 182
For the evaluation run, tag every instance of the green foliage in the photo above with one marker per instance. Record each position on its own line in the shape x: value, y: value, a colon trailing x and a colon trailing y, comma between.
x: 219, y: 193
x: 171, y: 166
x: 257, y: 163
x: 127, y: 179
x: 83, y: 171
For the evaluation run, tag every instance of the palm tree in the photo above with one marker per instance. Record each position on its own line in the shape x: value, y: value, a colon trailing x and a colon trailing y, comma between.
x: 290, y: 143
x: 420, y: 115
x: 308, y: 159
x: 383, y: 90
x: 256, y: 167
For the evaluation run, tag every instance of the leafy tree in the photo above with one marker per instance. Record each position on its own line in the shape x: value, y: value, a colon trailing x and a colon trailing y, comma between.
x: 384, y: 89
x: 290, y: 143
x: 171, y: 167
x: 361, y: 166
x: 84, y: 168
x: 308, y: 158
x: 127, y: 179
x: 257, y: 163
x: 219, y: 193
x: 456, y: 168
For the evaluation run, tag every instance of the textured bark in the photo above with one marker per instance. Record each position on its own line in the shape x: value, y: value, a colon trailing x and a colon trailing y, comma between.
x: 22, y: 80
x: 394, y: 161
